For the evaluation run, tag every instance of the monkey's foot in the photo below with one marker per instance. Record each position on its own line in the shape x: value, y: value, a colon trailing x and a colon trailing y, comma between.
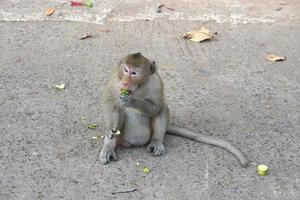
x: 106, y: 157
x: 156, y: 148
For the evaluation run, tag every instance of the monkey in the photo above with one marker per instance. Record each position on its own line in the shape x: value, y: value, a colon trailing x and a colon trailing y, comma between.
x: 141, y: 117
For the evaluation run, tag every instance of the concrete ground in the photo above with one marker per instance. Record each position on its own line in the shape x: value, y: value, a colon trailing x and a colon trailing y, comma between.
x: 222, y: 87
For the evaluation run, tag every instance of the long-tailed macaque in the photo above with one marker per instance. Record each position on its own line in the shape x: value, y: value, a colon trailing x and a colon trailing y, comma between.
x: 140, y: 115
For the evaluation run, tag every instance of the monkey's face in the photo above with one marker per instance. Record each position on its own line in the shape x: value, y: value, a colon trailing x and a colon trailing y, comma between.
x: 130, y: 78
x: 134, y: 71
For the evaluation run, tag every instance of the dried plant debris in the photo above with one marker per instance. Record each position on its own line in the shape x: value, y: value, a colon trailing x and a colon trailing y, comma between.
x: 50, y: 11
x: 97, y: 137
x: 159, y: 8
x: 104, y: 30
x: 87, y: 3
x: 87, y: 35
x: 124, y: 191
x: 262, y: 170
x: 171, y: 8
x: 92, y: 126
x: 60, y: 87
x: 275, y: 58
x: 198, y: 35
x: 146, y: 170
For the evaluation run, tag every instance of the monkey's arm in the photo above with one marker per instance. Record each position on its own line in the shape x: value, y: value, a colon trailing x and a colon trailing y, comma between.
x: 148, y: 106
x: 113, y: 113
x: 114, y: 117
x: 149, y: 102
x: 114, y: 120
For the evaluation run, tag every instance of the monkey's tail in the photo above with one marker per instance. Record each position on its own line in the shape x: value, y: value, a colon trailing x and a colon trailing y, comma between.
x: 183, y: 132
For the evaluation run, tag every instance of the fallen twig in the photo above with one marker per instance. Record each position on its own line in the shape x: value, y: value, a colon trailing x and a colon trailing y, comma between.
x: 124, y: 191
x: 171, y: 8
x: 159, y: 8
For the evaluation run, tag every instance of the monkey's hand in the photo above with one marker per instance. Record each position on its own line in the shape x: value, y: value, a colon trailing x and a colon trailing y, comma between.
x: 113, y: 133
x: 147, y: 106
x: 125, y: 100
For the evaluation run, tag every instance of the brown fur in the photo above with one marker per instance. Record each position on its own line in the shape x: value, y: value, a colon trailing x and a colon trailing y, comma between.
x: 143, y: 116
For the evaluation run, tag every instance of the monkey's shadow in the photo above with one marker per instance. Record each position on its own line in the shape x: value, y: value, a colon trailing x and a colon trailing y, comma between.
x: 139, y: 153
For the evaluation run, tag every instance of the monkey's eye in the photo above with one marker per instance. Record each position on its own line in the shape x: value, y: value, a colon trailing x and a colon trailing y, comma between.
x: 134, y: 74
x: 126, y: 70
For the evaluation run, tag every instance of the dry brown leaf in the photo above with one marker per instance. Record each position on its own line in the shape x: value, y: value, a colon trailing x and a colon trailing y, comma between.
x: 275, y: 58
x: 87, y: 35
x: 198, y: 35
x: 104, y: 30
x: 50, y: 11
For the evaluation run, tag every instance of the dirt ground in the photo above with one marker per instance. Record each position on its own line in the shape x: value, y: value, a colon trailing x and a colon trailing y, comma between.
x: 223, y: 87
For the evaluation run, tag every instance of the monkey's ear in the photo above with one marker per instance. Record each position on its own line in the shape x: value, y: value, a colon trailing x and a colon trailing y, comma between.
x: 152, y: 67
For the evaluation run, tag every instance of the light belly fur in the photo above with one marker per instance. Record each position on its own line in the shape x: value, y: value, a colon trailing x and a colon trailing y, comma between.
x: 137, y: 130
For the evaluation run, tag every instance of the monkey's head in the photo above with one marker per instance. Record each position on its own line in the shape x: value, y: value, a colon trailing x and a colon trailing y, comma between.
x: 134, y: 70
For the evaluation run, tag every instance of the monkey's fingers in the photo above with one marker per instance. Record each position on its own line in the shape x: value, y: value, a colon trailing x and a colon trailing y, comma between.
x: 105, y: 158
x: 156, y: 148
x: 113, y: 157
x: 113, y: 133
x: 124, y: 100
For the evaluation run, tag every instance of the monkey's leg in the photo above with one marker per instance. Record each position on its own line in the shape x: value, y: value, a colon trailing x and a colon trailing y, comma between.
x: 160, y: 126
x: 108, y: 151
x: 114, y: 119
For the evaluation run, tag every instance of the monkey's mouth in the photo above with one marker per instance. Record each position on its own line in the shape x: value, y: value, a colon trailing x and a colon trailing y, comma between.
x: 128, y: 90
x: 125, y: 91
